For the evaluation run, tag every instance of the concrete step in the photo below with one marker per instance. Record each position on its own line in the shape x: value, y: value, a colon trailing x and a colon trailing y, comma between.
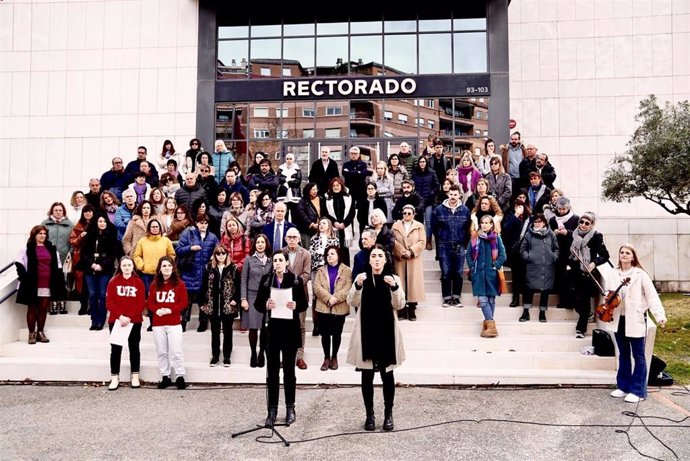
x: 70, y: 369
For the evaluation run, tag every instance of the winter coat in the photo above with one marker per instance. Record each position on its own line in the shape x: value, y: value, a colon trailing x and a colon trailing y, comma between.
x: 306, y: 214
x: 238, y: 248
x: 501, y: 187
x: 426, y: 185
x: 192, y: 276
x: 106, y: 246
x: 540, y: 253
x: 484, y: 271
x: 290, y: 180
x: 27, y: 273
x: 340, y: 209
x: 355, y: 173
x: 548, y: 175
x: 283, y: 332
x: 58, y: 234
x: 407, y: 161
x: 149, y: 251
x: 322, y: 287
x: 221, y: 160
x: 363, y: 209
x: 218, y: 290
x: 265, y: 183
x: 122, y: 217
x: 252, y: 272
x: 354, y: 352
x: 638, y: 297
x: 136, y: 230
x: 187, y: 196
x: 439, y: 166
x: 385, y: 187
x: 398, y: 176
x: 322, y: 177
x: 413, y: 199
x: 410, y: 271
x: 237, y: 187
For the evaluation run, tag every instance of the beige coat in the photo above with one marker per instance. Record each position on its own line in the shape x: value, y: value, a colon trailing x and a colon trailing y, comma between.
x: 411, y: 271
x: 136, y: 230
x: 322, y: 286
x: 354, y: 351
x: 640, y: 296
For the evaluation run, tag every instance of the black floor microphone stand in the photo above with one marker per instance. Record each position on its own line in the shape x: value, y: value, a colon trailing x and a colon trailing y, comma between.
x: 258, y: 427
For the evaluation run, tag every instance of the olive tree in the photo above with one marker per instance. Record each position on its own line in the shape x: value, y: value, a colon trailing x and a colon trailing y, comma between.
x: 656, y: 164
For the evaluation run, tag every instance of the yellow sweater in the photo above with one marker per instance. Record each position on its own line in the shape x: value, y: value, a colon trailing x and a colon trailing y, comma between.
x: 150, y: 250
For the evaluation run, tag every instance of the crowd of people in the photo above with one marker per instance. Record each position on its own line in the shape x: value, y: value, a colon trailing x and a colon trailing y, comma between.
x: 206, y: 231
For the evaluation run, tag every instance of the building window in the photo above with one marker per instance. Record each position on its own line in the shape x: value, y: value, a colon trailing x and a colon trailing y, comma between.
x: 283, y: 134
x: 308, y: 112
x: 332, y: 132
x: 287, y: 72
x: 477, y: 132
x: 261, y: 112
x: 261, y: 133
x: 420, y: 122
x: 402, y: 118
x: 430, y: 103
x: 265, y: 71
x: 388, y: 134
x: 387, y: 115
x: 486, y: 132
x: 332, y: 111
x: 308, y: 133
x: 431, y: 124
x: 281, y: 113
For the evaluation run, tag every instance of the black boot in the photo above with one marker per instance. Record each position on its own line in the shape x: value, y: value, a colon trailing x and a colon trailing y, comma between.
x: 388, y: 419
x: 63, y: 307
x: 525, y: 315
x: 411, y: 312
x: 54, y: 307
x: 515, y: 301
x: 261, y: 360
x: 84, y: 309
x: 370, y: 422
x: 290, y: 415
x: 402, y: 313
x: 271, y: 418
x: 203, y: 323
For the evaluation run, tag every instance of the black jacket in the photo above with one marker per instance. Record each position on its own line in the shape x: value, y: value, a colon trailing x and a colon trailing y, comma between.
x: 28, y: 276
x: 286, y: 332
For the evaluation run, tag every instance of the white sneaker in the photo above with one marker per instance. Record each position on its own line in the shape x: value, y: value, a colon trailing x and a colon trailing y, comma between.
x: 579, y: 335
x: 135, y: 383
x: 632, y: 398
x: 618, y: 394
x: 114, y: 382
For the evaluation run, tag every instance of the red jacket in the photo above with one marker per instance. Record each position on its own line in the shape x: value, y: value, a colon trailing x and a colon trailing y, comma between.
x: 168, y: 296
x: 125, y: 297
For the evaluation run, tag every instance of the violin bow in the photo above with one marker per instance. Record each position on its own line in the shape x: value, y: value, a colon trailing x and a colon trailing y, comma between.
x: 589, y: 272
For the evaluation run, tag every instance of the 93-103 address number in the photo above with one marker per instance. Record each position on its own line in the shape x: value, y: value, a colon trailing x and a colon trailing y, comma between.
x: 477, y: 89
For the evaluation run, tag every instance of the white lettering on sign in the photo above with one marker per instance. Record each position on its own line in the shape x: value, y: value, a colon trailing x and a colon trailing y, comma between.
x: 346, y: 87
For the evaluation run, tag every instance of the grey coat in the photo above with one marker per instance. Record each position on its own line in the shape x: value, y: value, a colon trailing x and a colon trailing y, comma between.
x: 540, y: 252
x: 252, y: 271
x: 501, y: 187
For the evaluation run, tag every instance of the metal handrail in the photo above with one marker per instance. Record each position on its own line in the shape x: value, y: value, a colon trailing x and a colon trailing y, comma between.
x: 11, y: 293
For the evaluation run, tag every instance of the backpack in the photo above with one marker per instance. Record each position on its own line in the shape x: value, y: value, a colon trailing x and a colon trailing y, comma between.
x: 602, y: 343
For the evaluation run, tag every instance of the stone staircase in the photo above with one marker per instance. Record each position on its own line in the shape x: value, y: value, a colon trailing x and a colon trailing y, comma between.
x: 442, y: 347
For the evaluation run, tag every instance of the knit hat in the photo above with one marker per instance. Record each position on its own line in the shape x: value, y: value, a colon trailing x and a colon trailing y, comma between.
x: 589, y: 215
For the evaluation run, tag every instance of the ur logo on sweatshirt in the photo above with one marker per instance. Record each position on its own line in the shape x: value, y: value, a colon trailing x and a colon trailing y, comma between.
x: 127, y: 292
x: 165, y: 296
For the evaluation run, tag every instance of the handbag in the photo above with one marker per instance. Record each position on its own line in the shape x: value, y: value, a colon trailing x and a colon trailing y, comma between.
x: 502, y: 285
x: 67, y: 264
x: 186, y: 263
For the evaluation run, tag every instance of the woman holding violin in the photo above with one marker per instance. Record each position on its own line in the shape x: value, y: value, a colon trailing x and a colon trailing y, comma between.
x: 636, y: 295
x: 587, y: 251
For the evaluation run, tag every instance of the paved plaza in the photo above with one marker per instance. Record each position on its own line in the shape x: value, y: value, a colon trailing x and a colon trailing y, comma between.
x: 86, y: 422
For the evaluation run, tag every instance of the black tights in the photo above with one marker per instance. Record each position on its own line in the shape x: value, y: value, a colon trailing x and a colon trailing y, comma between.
x: 368, y: 388
x: 36, y: 315
x: 253, y: 336
x: 331, y: 325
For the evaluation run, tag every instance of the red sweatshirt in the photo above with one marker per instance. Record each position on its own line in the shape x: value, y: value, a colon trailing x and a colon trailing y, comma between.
x: 125, y: 297
x: 168, y: 296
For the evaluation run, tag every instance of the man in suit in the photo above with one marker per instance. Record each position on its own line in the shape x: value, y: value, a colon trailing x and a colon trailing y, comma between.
x: 323, y: 170
x: 299, y: 263
x: 277, y: 230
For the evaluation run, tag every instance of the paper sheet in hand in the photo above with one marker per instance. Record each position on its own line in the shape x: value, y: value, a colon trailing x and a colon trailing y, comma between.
x: 120, y: 334
x: 281, y: 296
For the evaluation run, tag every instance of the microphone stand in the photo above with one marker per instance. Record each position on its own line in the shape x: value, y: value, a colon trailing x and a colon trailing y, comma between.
x: 258, y: 427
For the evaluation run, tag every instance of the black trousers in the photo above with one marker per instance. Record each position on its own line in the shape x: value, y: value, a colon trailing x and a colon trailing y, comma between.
x: 216, y: 323
x: 134, y: 354
x: 368, y: 388
x: 331, y: 326
x: 289, y: 353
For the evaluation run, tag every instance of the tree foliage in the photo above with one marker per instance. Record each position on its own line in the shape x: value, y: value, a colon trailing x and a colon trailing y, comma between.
x: 656, y: 164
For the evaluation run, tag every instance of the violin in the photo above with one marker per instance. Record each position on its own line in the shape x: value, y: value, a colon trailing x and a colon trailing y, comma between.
x: 611, y: 301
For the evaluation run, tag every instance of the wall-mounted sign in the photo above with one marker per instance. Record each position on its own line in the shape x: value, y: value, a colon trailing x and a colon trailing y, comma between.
x: 399, y: 87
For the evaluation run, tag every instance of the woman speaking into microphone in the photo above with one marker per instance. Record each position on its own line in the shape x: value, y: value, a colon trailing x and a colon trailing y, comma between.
x: 281, y: 298
x: 376, y: 343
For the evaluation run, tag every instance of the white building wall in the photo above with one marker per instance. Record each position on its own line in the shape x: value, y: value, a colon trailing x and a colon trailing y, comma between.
x: 578, y: 70
x: 81, y: 82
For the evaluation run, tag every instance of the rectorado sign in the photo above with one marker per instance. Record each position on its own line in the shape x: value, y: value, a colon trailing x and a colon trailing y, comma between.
x: 349, y: 87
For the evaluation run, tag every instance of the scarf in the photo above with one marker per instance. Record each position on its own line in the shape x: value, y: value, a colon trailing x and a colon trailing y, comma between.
x: 580, y: 248
x: 561, y: 220
x: 377, y: 323
x: 541, y: 232
x: 463, y: 171
x: 491, y: 237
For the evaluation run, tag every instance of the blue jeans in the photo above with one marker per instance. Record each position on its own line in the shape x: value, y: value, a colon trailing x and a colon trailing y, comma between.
x: 451, y: 258
x: 97, y: 286
x: 488, y: 305
x: 629, y: 379
x: 427, y: 220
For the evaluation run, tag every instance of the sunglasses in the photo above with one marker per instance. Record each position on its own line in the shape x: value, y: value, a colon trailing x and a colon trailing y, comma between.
x: 220, y: 254
x: 585, y: 222
x: 407, y: 213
